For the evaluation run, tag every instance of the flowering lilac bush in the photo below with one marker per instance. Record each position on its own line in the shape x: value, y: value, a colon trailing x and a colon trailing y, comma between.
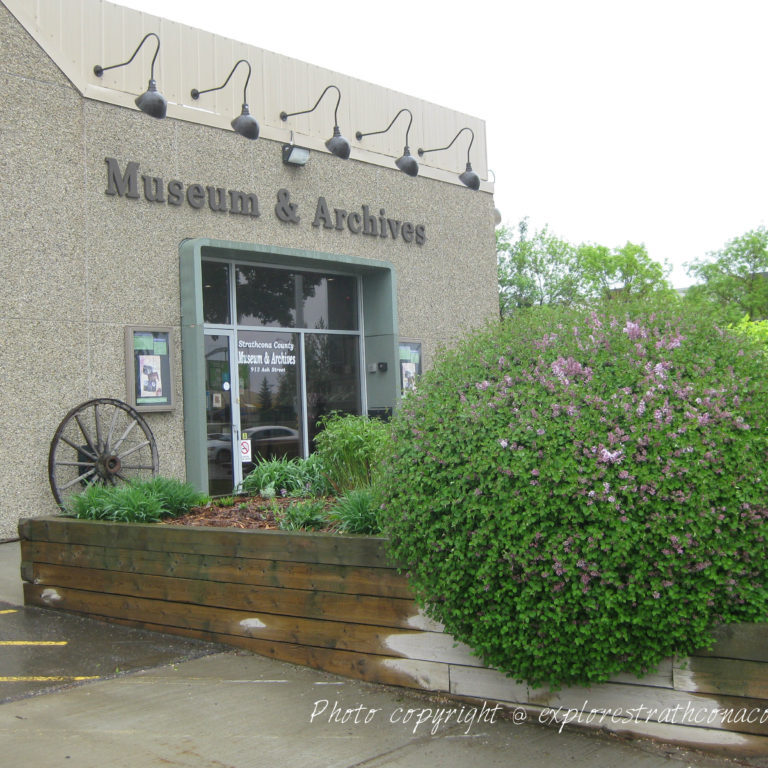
x: 576, y: 495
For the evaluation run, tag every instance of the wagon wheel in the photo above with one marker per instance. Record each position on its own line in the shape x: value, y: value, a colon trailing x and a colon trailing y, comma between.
x: 100, y: 441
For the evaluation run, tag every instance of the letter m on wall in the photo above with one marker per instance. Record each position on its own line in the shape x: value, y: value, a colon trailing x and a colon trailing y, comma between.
x: 122, y: 184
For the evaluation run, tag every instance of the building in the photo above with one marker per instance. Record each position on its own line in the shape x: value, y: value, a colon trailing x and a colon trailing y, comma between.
x: 230, y: 294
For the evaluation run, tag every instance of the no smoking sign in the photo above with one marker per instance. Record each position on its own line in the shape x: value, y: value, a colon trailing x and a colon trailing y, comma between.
x: 245, y: 451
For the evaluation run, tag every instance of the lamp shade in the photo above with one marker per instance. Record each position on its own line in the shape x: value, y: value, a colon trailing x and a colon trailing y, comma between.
x: 470, y: 179
x: 407, y: 163
x: 338, y: 145
x: 246, y: 124
x: 152, y: 102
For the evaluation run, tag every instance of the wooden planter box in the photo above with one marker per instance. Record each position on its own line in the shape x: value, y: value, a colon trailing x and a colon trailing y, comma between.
x: 335, y: 603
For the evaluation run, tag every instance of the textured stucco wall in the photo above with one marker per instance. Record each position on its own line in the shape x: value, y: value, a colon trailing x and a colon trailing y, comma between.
x: 79, y: 265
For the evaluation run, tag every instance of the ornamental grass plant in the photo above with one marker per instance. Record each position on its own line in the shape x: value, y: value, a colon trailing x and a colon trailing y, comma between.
x: 579, y: 494
x: 349, y: 449
x: 145, y: 501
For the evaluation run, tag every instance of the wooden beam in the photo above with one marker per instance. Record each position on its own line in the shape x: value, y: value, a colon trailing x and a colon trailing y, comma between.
x: 293, y: 546
x: 739, y: 641
x: 729, y: 676
x: 373, y: 639
x: 348, y: 579
x: 356, y: 609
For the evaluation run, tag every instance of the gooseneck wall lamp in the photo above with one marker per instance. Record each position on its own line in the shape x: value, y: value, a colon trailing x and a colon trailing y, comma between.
x: 469, y: 178
x: 152, y: 102
x: 245, y: 123
x: 337, y: 144
x: 407, y: 163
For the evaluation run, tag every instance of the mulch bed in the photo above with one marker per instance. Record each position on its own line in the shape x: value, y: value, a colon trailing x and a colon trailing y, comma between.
x: 247, y: 512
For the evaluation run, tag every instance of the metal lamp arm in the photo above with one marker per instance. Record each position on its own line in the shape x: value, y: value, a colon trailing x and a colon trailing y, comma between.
x: 99, y: 70
x: 440, y: 149
x: 360, y: 135
x: 196, y: 94
x: 285, y: 115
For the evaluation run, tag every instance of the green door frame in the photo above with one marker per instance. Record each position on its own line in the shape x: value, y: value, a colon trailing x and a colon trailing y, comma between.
x: 380, y: 340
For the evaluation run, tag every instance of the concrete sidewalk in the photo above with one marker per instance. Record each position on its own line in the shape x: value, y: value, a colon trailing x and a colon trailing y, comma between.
x: 236, y: 709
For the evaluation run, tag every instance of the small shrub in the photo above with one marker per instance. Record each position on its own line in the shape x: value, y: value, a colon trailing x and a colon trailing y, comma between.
x: 285, y: 477
x: 315, y: 481
x: 577, y: 495
x: 357, y: 511
x: 91, y: 502
x: 144, y: 501
x: 350, y: 450
x: 308, y: 514
x: 129, y: 503
x: 177, y: 498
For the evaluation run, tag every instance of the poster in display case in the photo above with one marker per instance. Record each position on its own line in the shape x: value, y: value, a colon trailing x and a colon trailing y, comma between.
x: 149, y: 368
x: 410, y: 364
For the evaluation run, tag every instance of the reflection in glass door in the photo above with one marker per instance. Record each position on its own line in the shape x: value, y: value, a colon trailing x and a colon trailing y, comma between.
x: 269, y: 378
x: 332, y: 377
x: 218, y: 408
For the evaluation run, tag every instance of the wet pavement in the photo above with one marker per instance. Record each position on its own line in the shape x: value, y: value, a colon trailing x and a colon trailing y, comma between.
x: 42, y: 650
x: 79, y: 692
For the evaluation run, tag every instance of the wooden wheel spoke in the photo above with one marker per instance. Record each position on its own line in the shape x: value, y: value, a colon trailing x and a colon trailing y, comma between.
x: 98, y: 427
x: 79, y: 448
x: 133, y: 450
x: 75, y: 463
x: 124, y: 435
x: 86, y: 435
x: 112, y: 429
x: 79, y: 479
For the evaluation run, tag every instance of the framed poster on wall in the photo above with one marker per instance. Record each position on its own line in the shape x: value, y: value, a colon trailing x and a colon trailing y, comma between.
x: 149, y: 368
x: 410, y: 364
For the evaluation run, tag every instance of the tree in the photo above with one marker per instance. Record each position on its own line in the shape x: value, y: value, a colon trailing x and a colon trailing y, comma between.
x: 542, y: 269
x: 736, y: 276
x: 535, y: 270
x: 265, y: 397
x: 621, y: 273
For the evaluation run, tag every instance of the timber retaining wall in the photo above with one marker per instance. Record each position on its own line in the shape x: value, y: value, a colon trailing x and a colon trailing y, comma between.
x: 335, y: 603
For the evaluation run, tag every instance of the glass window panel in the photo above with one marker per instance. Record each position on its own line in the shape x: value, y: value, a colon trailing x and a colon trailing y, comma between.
x: 216, y: 293
x: 285, y: 299
x: 265, y: 296
x: 269, y: 370
x: 333, y: 377
x: 329, y: 302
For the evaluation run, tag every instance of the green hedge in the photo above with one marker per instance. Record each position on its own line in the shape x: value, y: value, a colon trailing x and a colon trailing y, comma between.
x: 582, y: 494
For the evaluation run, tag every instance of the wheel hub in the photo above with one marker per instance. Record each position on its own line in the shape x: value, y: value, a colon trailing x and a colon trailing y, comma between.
x: 108, y: 466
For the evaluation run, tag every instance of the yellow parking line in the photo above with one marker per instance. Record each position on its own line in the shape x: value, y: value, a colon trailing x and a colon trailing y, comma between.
x: 13, y: 610
x: 31, y: 679
x: 33, y: 642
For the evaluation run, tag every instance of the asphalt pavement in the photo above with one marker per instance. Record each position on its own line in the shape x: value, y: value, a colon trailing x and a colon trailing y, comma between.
x: 84, y: 693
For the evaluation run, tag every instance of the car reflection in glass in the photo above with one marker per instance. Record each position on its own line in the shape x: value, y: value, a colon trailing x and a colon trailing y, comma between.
x: 268, y: 441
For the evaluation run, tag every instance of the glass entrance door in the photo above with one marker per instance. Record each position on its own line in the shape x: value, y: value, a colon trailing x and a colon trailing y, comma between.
x: 220, y: 425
